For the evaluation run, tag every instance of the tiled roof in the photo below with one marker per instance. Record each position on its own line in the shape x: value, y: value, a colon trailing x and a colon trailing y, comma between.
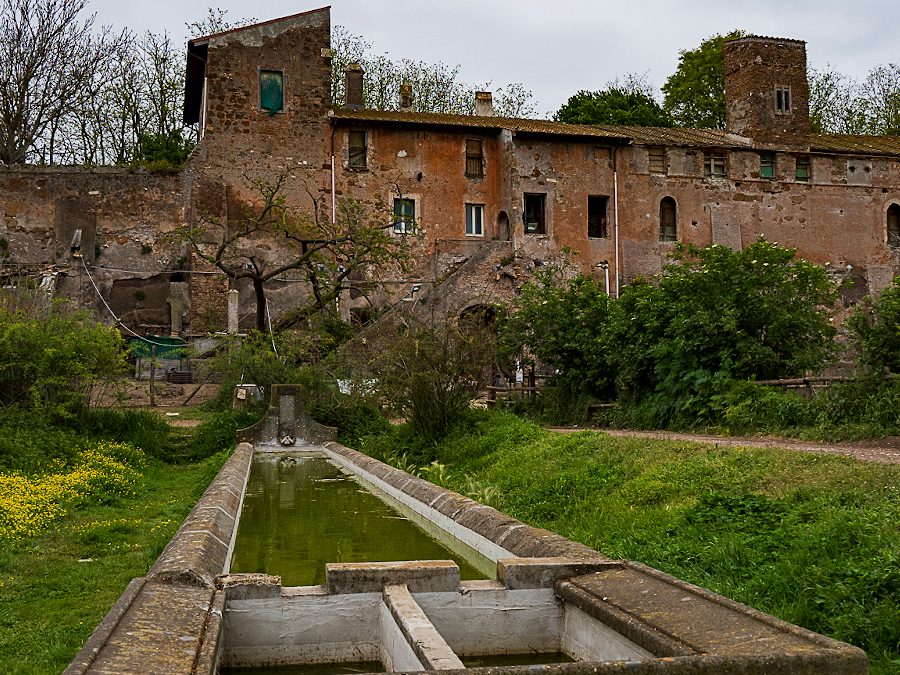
x: 703, y: 138
x: 863, y: 145
x: 640, y: 135
x: 479, y: 122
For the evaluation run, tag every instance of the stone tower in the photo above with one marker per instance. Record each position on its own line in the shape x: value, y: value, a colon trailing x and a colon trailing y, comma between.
x: 766, y: 90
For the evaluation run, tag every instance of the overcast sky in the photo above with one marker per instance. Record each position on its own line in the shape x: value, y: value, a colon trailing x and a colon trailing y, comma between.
x: 557, y: 47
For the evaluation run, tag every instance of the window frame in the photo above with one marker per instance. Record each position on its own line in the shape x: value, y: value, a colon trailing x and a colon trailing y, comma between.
x: 657, y: 153
x: 783, y: 102
x: 767, y: 159
x: 260, y: 71
x: 474, y: 160
x: 358, y: 151
x: 664, y: 235
x: 803, y: 161
x: 541, y: 225
x: 603, y: 225
x: 471, y: 210
x: 401, y: 226
x: 893, y: 234
x: 713, y: 159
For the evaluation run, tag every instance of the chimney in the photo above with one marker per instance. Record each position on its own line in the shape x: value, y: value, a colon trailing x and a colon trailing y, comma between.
x: 406, y: 97
x: 484, y: 104
x: 353, y: 89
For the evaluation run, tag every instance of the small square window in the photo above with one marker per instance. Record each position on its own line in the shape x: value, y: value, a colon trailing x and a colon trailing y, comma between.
x: 597, y: 217
x: 358, y: 149
x: 767, y: 165
x: 714, y: 164
x: 783, y: 100
x: 404, y: 216
x: 802, y: 171
x: 474, y: 158
x: 657, y: 158
x: 271, y: 91
x: 474, y: 220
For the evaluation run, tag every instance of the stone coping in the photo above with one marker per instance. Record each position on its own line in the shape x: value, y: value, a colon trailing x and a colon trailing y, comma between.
x: 171, y: 620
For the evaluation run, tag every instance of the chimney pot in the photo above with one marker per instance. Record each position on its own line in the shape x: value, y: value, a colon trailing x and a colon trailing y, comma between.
x: 353, y: 88
x: 484, y: 104
x: 406, y: 97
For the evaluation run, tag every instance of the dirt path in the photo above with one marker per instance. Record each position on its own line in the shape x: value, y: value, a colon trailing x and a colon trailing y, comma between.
x: 882, y: 451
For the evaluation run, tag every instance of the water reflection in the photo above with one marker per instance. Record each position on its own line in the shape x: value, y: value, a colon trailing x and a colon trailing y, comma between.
x: 302, y: 512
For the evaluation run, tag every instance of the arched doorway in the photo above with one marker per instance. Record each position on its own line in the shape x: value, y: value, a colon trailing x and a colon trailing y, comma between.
x: 893, y: 225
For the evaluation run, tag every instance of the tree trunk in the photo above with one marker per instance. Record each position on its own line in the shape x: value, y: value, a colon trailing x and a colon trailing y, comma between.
x: 260, y: 292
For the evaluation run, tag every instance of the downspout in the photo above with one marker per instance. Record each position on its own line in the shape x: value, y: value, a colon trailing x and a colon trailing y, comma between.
x: 616, y: 216
x: 333, y: 196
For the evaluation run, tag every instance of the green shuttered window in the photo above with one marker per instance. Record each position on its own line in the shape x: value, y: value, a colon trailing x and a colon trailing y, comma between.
x: 271, y: 91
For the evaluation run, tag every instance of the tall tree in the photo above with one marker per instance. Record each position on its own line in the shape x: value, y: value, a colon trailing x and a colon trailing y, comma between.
x: 628, y: 102
x: 881, y: 92
x: 49, y: 52
x: 835, y: 103
x: 695, y: 92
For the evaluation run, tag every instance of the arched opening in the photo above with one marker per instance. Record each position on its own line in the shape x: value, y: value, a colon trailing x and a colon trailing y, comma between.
x: 893, y: 225
x: 502, y: 232
x: 668, y: 220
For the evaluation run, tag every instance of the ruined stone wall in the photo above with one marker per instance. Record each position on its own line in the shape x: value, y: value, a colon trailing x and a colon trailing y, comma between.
x: 124, y: 217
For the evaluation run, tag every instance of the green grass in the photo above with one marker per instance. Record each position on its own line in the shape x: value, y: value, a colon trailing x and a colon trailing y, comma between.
x: 56, y: 588
x: 812, y: 539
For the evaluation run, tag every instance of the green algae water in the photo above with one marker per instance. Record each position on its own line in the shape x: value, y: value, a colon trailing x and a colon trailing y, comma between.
x: 302, y: 512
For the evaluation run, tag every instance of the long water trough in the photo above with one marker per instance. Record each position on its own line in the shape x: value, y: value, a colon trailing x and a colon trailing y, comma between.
x: 316, y: 558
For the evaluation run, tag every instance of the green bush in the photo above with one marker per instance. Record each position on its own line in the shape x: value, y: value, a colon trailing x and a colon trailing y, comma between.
x: 144, y: 429
x: 52, y: 356
x: 217, y: 433
x: 876, y: 329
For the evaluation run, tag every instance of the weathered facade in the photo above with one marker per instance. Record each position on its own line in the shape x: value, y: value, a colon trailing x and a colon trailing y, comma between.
x: 483, y: 200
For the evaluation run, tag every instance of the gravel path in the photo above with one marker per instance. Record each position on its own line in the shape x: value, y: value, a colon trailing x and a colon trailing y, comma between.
x: 881, y: 451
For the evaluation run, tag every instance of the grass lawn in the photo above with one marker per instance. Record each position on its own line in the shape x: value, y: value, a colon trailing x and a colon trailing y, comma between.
x: 813, y: 539
x: 55, y: 588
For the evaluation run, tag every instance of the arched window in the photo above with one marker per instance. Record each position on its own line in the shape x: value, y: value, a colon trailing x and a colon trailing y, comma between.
x: 668, y: 229
x: 893, y: 225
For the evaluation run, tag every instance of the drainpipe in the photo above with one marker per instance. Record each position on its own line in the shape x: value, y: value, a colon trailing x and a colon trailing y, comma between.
x: 616, y: 217
x: 333, y: 196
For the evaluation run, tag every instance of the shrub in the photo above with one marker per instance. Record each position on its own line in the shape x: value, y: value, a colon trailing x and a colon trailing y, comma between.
x: 430, y: 373
x: 875, y: 327
x: 52, y: 356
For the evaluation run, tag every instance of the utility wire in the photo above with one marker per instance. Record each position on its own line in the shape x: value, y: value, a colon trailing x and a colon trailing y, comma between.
x: 113, y: 314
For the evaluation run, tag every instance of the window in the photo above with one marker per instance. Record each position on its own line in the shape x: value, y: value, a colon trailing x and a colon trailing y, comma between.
x: 657, y: 160
x: 767, y: 165
x: 474, y: 220
x: 474, y: 158
x: 714, y: 164
x: 782, y: 100
x: 358, y: 149
x: 271, y: 91
x: 404, y: 216
x: 597, y: 209
x: 668, y: 222
x: 893, y: 225
x: 534, y: 214
x: 802, y: 172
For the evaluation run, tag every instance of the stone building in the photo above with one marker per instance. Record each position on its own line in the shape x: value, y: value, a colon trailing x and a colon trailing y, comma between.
x: 482, y: 199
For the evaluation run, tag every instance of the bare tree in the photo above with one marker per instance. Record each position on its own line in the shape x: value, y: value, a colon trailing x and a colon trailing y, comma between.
x: 327, y: 253
x: 48, y: 53
x: 436, y: 86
